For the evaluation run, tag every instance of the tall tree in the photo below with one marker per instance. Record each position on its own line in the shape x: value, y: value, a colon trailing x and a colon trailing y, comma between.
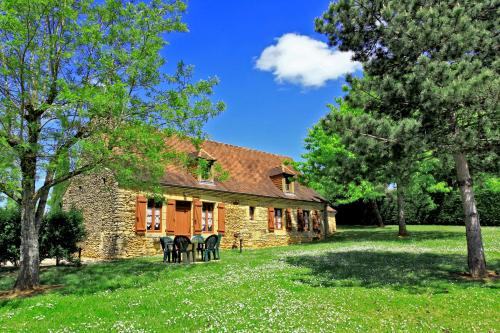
x: 436, y: 62
x: 383, y: 151
x: 82, y: 80
x: 332, y: 170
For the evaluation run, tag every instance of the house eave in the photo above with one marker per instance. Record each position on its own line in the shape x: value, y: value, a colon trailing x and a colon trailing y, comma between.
x: 319, y: 200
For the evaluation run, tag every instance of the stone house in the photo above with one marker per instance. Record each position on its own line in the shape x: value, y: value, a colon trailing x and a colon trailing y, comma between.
x: 260, y: 202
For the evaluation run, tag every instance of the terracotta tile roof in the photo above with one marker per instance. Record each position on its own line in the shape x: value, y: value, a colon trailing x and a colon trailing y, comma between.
x: 249, y: 170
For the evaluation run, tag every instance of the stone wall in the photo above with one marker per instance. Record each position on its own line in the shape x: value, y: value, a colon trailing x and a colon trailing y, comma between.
x: 109, y: 215
x: 332, y: 223
x: 255, y: 232
x: 95, y: 196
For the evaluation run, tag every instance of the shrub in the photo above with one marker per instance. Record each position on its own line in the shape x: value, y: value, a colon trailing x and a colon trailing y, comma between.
x: 60, y: 233
x: 10, y: 234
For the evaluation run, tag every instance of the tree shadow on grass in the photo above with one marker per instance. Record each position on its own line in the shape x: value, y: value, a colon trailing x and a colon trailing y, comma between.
x: 414, y: 272
x: 92, y: 278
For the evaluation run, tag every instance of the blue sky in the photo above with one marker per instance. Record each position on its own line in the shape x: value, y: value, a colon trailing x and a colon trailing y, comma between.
x: 227, y: 38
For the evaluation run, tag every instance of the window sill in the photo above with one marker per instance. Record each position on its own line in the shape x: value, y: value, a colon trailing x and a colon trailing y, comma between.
x: 152, y: 234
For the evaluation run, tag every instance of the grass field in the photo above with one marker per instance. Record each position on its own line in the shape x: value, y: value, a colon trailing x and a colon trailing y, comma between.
x: 360, y: 280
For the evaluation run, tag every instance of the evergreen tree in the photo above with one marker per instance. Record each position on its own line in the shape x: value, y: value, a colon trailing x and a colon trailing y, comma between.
x: 384, y: 151
x: 435, y: 62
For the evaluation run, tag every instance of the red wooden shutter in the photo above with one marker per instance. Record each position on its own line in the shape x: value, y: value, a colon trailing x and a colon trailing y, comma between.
x: 270, y: 219
x: 197, y: 216
x: 161, y: 217
x: 288, y: 218
x: 315, y: 220
x: 222, y: 218
x: 300, y: 220
x: 170, y: 217
x: 140, y: 214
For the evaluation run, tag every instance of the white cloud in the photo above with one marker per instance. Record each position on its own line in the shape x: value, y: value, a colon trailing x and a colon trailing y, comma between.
x: 302, y: 60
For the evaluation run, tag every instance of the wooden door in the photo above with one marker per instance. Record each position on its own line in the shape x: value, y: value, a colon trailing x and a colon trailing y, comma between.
x: 183, y: 218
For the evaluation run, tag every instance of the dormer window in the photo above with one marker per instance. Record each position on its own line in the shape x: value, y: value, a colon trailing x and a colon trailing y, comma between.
x: 283, y: 178
x: 205, y: 174
x: 205, y: 163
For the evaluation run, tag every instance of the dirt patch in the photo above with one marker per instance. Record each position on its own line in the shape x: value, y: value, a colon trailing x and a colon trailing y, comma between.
x: 490, y: 277
x: 12, y: 294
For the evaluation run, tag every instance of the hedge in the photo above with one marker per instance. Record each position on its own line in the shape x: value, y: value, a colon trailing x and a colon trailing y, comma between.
x: 447, y: 211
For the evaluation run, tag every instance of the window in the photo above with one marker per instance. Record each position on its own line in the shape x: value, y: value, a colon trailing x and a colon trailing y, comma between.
x: 205, y: 175
x: 251, y: 212
x: 153, y: 216
x: 207, y: 217
x: 306, y: 220
x: 278, y: 213
x: 288, y: 185
x: 288, y: 219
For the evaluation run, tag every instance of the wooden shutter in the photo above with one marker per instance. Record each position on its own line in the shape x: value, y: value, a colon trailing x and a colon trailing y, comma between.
x: 288, y: 219
x: 170, y: 217
x: 315, y: 220
x: 197, y: 216
x: 270, y: 219
x: 300, y: 220
x: 222, y: 218
x: 140, y: 214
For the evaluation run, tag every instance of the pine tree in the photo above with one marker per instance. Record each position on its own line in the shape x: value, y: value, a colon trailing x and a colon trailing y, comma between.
x: 435, y: 62
x: 383, y: 151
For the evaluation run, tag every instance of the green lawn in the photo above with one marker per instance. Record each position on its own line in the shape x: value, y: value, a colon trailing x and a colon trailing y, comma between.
x: 361, y: 280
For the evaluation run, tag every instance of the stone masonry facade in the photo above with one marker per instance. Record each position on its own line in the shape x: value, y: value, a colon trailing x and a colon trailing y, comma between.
x: 110, y: 212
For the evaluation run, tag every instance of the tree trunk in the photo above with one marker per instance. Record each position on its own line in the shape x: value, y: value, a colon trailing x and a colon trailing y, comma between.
x: 475, y: 252
x: 28, y: 277
x: 376, y: 211
x: 401, y: 212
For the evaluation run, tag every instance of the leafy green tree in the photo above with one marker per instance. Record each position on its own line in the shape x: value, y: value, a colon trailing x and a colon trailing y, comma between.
x: 82, y: 81
x: 425, y: 188
x: 424, y: 184
x: 436, y: 62
x: 329, y: 168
